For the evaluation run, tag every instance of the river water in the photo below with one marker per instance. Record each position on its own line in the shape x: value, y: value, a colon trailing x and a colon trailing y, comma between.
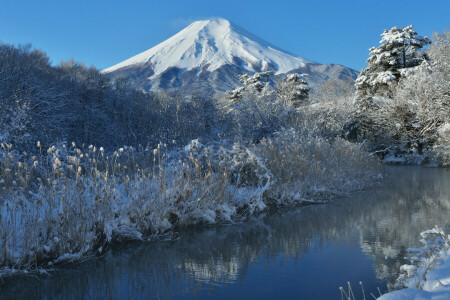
x: 289, y: 253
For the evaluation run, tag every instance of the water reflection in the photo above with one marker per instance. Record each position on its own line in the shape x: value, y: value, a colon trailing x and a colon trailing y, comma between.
x: 359, y: 236
x: 411, y: 201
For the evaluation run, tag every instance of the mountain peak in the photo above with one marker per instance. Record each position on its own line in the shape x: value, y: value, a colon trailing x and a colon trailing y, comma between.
x: 215, y: 20
x: 210, y: 44
x: 213, y: 23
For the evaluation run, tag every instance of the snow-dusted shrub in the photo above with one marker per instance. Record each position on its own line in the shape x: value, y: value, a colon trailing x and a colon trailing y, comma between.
x: 434, y: 254
x: 305, y: 167
x: 442, y: 145
x: 253, y: 111
x: 332, y: 105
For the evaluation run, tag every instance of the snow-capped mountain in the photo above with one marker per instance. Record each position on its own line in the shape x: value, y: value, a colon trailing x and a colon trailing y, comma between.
x: 209, y: 55
x: 212, y: 44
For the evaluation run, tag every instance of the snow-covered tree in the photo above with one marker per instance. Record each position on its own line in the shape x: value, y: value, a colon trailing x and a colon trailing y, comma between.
x: 72, y: 102
x: 396, y: 57
x: 424, y: 98
x: 252, y: 110
x: 294, y: 90
x: 257, y: 84
x: 331, y: 105
x: 409, y: 116
x: 399, y: 51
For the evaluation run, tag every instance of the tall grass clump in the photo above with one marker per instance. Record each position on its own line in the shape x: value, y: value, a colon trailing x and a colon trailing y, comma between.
x: 68, y: 202
x: 309, y: 167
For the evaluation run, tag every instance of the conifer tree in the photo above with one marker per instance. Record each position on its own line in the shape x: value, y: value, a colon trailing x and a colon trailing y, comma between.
x: 399, y: 51
x: 294, y: 90
x: 397, y: 56
x: 257, y: 84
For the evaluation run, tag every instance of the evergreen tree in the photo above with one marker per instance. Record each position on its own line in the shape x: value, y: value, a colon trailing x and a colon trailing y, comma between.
x: 387, y: 63
x: 257, y: 84
x: 294, y: 90
x: 398, y: 55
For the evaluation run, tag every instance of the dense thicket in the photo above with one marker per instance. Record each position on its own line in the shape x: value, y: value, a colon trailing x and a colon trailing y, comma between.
x: 403, y: 101
x: 72, y: 102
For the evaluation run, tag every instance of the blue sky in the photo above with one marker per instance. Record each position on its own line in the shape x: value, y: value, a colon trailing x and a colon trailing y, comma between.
x: 104, y: 33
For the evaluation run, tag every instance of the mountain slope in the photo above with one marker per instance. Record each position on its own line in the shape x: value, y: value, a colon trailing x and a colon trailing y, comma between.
x: 208, y: 56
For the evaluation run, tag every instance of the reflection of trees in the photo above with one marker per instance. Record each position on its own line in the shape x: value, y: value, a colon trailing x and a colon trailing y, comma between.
x: 199, y: 259
x: 389, y: 220
x: 412, y: 200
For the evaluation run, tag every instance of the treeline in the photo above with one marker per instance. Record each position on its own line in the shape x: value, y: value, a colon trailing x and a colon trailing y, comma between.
x: 399, y: 107
x: 74, y: 103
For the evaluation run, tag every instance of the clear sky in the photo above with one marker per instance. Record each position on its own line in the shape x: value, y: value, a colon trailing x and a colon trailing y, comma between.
x: 104, y: 33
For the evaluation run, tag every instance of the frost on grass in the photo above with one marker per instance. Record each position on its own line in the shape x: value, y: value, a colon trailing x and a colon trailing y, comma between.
x: 428, y: 275
x: 68, y: 202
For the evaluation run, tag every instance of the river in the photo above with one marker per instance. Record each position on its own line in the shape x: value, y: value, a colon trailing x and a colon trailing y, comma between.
x: 288, y: 253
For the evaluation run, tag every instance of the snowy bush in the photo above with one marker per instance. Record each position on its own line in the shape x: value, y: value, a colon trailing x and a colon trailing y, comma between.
x: 442, y: 146
x: 305, y: 167
x: 331, y: 106
x: 253, y: 110
x: 428, y: 270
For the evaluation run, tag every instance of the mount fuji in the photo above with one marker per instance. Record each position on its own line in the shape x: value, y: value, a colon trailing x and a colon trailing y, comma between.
x: 207, y: 57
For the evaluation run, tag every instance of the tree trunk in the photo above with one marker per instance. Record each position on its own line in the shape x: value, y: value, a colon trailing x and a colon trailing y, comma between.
x: 404, y: 56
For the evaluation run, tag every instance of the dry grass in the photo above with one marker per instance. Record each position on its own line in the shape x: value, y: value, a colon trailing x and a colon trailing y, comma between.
x: 68, y: 202
x: 313, y: 168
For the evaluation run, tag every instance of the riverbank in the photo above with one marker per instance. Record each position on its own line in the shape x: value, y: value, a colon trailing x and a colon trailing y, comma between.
x: 69, y: 203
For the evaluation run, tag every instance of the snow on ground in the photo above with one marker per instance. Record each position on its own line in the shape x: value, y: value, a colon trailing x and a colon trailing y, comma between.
x: 428, y: 276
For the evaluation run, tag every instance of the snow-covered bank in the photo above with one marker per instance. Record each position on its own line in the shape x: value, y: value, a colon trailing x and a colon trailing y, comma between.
x: 428, y: 276
x: 68, y: 203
